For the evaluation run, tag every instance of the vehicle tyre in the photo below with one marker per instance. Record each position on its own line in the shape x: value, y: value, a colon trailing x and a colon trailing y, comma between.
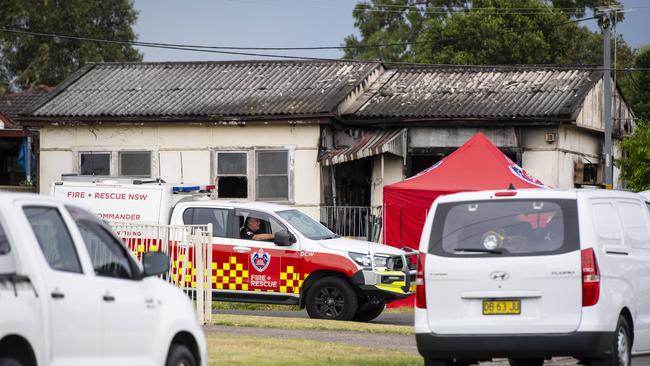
x: 436, y: 362
x: 180, y: 355
x: 9, y: 362
x: 368, y: 312
x: 526, y: 361
x: 331, y: 298
x: 621, y: 352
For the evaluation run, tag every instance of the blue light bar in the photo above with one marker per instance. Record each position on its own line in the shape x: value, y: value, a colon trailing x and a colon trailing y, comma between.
x: 185, y: 189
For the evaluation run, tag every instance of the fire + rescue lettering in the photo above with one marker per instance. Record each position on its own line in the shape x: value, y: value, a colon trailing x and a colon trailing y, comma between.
x: 263, y: 281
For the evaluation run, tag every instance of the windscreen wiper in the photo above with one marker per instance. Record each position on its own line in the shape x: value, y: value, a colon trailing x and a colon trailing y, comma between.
x: 479, y: 250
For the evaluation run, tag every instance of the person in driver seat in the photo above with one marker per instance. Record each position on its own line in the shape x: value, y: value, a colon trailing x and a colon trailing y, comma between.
x: 252, y: 230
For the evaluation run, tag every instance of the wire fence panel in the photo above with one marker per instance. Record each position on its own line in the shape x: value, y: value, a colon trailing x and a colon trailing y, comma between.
x: 189, y: 248
x: 353, y: 221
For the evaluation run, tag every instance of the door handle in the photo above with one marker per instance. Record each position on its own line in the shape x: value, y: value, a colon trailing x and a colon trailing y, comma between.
x: 108, y: 298
x: 57, y: 295
x: 242, y: 249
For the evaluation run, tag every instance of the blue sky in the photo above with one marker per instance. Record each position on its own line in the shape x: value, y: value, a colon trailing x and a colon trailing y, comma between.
x: 280, y: 23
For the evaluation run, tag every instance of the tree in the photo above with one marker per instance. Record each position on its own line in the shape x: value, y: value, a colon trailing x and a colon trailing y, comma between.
x: 26, y: 60
x: 635, y: 164
x: 479, y: 32
x: 636, y: 85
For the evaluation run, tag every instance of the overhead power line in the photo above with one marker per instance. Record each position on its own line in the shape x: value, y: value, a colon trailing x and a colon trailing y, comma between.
x: 223, y: 49
x: 238, y: 50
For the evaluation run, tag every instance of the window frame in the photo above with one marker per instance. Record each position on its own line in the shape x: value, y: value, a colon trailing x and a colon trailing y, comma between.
x: 115, y: 163
x: 258, y: 175
x: 119, y: 163
x: 251, y: 162
x: 246, y: 175
x: 110, y: 158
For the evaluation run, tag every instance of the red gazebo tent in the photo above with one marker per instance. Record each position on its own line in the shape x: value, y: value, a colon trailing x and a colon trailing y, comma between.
x: 475, y: 166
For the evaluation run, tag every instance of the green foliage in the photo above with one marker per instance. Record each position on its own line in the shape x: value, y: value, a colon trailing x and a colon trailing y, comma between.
x: 635, y: 165
x: 636, y: 85
x: 479, y: 32
x: 26, y: 61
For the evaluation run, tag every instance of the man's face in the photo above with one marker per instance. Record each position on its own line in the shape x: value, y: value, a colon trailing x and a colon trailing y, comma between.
x: 253, y: 224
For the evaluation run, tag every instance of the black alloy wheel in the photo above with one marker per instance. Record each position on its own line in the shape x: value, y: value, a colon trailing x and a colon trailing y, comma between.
x: 331, y: 298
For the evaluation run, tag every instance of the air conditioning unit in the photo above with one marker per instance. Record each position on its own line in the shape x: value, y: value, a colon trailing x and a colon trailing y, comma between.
x: 589, y: 174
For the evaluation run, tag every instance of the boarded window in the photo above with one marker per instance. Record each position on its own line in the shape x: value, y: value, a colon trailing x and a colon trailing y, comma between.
x: 135, y: 163
x: 272, y: 175
x: 95, y: 163
x: 232, y: 174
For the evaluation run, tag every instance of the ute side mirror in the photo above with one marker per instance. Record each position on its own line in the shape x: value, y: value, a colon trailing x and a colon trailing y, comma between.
x: 155, y: 263
x: 283, y: 238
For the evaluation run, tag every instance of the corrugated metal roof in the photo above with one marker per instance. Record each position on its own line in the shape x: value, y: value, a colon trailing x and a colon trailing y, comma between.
x: 371, y: 142
x: 487, y: 92
x: 169, y: 89
x: 14, y: 103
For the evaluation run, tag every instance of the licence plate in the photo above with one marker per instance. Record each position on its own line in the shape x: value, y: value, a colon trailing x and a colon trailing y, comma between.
x: 502, y: 307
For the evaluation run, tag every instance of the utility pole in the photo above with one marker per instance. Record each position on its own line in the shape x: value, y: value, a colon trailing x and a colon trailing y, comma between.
x: 608, y: 14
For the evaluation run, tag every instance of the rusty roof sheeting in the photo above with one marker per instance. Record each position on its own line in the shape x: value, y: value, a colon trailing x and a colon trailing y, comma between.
x: 486, y: 92
x: 170, y: 89
x: 371, y: 142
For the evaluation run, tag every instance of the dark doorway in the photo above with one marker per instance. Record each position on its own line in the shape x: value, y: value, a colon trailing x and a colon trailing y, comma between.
x: 353, y: 181
x: 11, y: 172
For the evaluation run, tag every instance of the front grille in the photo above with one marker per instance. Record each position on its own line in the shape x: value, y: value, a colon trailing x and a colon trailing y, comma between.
x: 398, y: 263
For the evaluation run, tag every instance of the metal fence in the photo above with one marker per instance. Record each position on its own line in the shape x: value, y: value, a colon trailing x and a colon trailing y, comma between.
x: 189, y: 248
x: 353, y: 221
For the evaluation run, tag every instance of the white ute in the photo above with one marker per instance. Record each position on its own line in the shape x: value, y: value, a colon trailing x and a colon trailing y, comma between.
x: 533, y: 274
x: 71, y: 294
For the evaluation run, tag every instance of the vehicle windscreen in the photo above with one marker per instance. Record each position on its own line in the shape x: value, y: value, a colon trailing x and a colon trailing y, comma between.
x: 505, y: 228
x: 307, y: 226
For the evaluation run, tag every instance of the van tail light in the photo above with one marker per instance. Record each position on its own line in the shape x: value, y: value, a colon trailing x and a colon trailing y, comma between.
x: 590, y: 278
x: 420, y: 291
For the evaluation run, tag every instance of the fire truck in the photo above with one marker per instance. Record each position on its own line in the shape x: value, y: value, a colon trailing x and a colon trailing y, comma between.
x: 261, y: 252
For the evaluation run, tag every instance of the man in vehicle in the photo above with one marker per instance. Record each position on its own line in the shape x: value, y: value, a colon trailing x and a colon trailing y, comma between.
x: 252, y: 230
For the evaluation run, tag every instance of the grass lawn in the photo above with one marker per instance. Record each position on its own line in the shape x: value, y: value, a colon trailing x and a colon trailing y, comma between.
x: 307, y: 324
x: 251, y: 350
x: 222, y: 305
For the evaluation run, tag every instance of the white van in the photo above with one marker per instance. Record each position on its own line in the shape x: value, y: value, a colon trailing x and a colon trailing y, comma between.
x: 532, y: 274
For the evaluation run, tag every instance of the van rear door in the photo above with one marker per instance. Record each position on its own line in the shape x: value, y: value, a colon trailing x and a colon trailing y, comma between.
x: 504, y: 266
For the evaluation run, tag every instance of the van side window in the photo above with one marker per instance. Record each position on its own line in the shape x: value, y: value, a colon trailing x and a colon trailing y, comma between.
x: 53, y: 238
x: 607, y: 223
x: 218, y: 217
x: 635, y: 225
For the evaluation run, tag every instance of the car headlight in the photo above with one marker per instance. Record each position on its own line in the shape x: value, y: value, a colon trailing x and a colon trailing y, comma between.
x: 383, y: 262
x: 361, y: 259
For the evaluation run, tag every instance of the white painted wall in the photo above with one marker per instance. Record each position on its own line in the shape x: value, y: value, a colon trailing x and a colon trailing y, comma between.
x: 393, y: 173
x: 542, y: 165
x: 60, y: 145
x: 455, y: 137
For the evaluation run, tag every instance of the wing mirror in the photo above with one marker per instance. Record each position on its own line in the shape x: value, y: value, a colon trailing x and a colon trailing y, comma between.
x: 283, y: 238
x: 155, y: 263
